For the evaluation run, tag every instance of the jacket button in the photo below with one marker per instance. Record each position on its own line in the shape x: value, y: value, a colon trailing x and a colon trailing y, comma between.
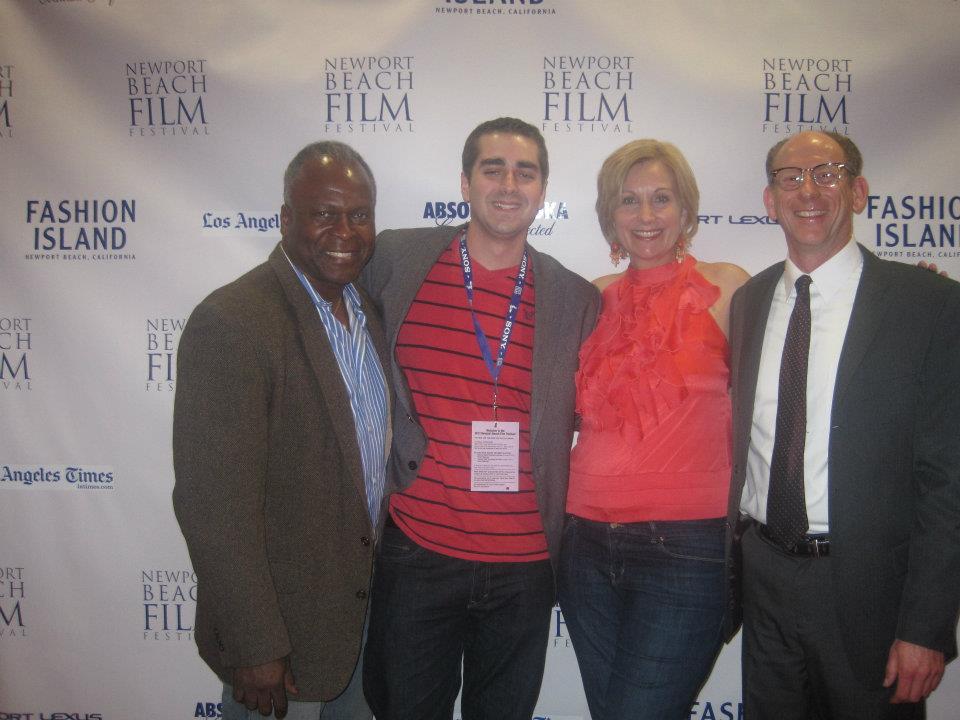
x: 362, y: 594
x: 412, y: 465
x: 364, y: 541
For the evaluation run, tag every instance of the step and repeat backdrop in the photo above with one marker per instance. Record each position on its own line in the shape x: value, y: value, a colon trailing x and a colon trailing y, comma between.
x: 142, y: 146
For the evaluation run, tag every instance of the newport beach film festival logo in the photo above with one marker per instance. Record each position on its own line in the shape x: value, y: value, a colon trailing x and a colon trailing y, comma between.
x: 16, y: 340
x: 458, y: 211
x: 166, y: 97
x: 163, y: 336
x: 6, y: 94
x: 587, y: 93
x: 483, y: 8
x: 368, y: 94
x: 169, y: 604
x: 12, y: 597
x: 81, y: 229
x: 915, y: 226
x: 803, y: 93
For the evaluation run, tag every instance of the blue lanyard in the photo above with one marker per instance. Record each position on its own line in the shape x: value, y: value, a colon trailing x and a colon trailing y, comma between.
x: 508, y: 323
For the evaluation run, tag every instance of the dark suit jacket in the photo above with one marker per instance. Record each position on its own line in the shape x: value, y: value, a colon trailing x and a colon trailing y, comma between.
x: 566, y: 311
x: 894, y: 457
x: 269, y: 483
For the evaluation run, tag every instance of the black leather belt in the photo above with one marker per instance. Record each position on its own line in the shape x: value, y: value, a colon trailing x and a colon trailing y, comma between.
x: 807, y: 545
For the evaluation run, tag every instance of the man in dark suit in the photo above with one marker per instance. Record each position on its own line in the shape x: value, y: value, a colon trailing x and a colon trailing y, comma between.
x: 846, y: 480
x: 280, y: 438
x: 483, y: 332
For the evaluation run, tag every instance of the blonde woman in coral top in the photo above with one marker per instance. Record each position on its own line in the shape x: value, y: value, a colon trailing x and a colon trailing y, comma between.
x: 641, y: 569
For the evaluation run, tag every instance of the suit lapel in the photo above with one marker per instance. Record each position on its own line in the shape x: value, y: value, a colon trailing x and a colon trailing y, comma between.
x: 547, y: 309
x: 865, y: 320
x: 324, y: 364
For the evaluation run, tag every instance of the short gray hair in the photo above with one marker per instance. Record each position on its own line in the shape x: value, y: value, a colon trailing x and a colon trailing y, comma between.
x: 339, y: 151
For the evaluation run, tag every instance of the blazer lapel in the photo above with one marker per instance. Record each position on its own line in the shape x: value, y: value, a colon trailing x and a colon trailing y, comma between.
x: 547, y: 308
x: 865, y: 321
x: 325, y: 367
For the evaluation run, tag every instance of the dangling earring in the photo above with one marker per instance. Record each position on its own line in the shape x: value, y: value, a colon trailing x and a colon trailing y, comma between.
x: 617, y: 254
x: 680, y: 250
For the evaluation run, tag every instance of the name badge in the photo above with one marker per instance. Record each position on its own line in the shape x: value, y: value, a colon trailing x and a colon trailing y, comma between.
x: 495, y: 456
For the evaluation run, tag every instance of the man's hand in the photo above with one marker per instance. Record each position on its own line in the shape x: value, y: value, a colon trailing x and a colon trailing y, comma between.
x: 932, y: 267
x: 265, y: 687
x: 917, y: 671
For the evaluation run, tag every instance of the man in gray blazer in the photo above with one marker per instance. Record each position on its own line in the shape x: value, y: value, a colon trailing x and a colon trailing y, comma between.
x: 483, y: 333
x: 280, y: 441
x: 846, y: 482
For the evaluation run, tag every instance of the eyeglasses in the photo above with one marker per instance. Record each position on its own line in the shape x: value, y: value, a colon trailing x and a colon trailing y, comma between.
x: 827, y: 175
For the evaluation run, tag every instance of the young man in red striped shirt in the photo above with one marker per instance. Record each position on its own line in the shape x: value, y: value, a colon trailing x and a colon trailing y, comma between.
x: 484, y: 333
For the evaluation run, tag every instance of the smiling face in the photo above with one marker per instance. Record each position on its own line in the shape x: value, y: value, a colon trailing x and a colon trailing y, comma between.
x: 328, y: 225
x: 817, y: 221
x: 505, y: 188
x: 648, y: 219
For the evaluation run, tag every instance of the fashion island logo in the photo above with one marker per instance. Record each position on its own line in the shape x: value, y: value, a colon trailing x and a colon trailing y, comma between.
x: 6, y: 94
x: 11, y: 603
x: 537, y: 8
x: 456, y: 211
x: 163, y: 335
x: 169, y: 604
x: 369, y: 94
x: 806, y: 94
x: 72, y: 477
x: 81, y: 229
x: 166, y: 97
x: 252, y: 223
x: 587, y: 93
x: 915, y: 226
x: 16, y: 340
x: 717, y: 710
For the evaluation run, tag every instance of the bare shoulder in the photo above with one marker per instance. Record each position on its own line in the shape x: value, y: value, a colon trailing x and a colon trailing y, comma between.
x: 602, y: 283
x: 726, y: 276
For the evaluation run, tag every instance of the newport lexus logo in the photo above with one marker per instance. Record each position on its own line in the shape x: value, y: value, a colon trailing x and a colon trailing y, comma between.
x: 166, y: 97
x: 806, y: 94
x: 733, y: 219
x: 6, y: 93
x: 368, y: 94
x: 587, y: 93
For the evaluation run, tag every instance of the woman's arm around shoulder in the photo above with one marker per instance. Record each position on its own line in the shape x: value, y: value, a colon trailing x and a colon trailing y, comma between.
x: 728, y: 277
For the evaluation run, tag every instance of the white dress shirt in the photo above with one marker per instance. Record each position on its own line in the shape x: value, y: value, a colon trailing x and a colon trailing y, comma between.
x: 832, y: 291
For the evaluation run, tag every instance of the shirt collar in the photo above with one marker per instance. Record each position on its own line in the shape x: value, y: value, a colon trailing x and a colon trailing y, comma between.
x: 831, y: 277
x: 350, y: 294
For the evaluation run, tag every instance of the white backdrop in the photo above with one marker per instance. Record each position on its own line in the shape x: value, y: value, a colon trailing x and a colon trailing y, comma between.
x: 142, y: 146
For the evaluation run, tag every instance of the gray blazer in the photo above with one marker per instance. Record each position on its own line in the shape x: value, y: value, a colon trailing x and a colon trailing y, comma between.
x: 894, y: 457
x: 566, y: 311
x: 269, y: 484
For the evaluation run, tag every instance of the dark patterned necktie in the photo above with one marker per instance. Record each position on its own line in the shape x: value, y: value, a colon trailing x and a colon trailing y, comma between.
x: 786, y: 504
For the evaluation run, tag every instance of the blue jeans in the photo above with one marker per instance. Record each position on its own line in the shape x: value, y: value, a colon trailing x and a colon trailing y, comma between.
x: 643, y: 603
x: 429, y: 612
